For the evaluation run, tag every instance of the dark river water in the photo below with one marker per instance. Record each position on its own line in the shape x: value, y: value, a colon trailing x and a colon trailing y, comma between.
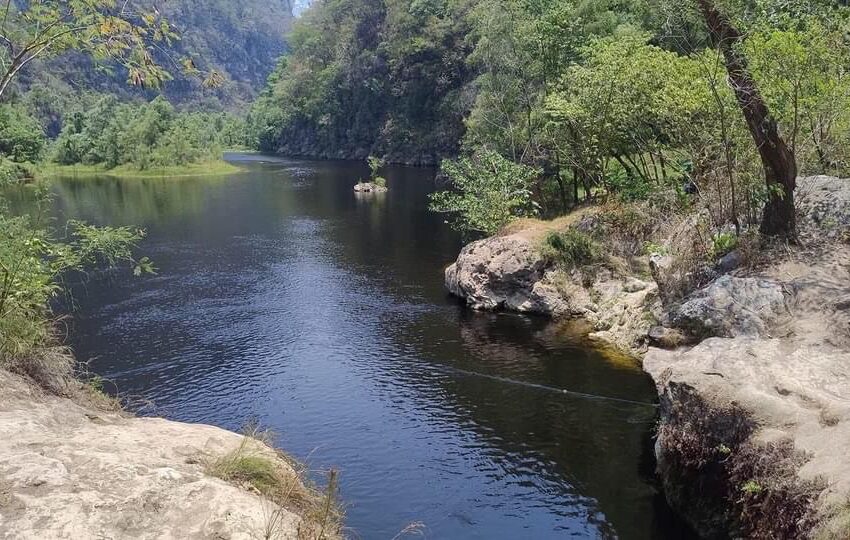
x: 284, y: 299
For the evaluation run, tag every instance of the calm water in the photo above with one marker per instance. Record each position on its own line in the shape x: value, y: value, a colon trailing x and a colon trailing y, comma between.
x: 283, y: 298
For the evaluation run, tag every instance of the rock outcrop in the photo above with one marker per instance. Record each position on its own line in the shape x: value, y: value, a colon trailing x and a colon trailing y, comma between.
x: 509, y: 273
x: 754, y: 437
x: 68, y: 471
x: 732, y: 307
x: 369, y: 187
x: 505, y: 272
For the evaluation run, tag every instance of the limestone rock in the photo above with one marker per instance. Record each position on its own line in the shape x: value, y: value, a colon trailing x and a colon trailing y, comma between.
x: 504, y: 272
x: 731, y: 307
x: 71, y: 472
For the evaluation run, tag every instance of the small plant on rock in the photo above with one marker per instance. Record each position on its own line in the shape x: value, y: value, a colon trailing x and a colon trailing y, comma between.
x: 570, y: 248
x: 375, y: 165
x: 722, y: 244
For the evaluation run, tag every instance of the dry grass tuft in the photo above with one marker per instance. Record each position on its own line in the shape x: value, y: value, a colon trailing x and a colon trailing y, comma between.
x: 836, y: 525
x: 283, y: 486
x: 51, y: 368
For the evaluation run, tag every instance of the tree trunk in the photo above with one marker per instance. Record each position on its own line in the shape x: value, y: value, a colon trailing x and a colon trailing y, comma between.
x: 780, y: 166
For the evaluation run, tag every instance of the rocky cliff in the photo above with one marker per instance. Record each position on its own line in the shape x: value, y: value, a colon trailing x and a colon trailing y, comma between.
x: 754, y: 438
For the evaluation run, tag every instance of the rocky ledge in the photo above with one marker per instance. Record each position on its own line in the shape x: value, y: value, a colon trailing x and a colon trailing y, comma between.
x: 77, y: 472
x: 509, y: 273
x: 753, y: 369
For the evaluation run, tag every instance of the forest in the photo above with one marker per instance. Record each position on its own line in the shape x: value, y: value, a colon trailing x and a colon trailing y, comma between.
x: 616, y: 96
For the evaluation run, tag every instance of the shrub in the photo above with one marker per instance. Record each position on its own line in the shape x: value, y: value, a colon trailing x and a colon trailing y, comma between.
x: 12, y: 172
x: 32, y: 261
x: 489, y: 192
x: 723, y: 243
x: 570, y: 248
x: 380, y: 181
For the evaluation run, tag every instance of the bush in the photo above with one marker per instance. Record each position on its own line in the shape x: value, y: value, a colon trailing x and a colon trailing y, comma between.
x: 723, y: 243
x: 32, y: 261
x: 12, y: 172
x: 570, y: 248
x: 21, y: 136
x: 489, y: 192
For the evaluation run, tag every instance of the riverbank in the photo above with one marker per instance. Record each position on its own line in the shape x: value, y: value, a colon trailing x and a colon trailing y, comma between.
x: 207, y: 168
x: 752, y: 366
x: 83, y: 468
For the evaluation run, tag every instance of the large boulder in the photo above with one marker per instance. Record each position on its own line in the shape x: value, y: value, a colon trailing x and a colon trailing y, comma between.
x: 731, y: 307
x: 504, y: 272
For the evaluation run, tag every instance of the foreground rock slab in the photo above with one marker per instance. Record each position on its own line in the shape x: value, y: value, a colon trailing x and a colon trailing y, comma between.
x: 67, y: 471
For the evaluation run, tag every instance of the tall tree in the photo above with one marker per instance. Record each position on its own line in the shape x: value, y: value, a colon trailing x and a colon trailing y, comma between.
x: 779, y: 163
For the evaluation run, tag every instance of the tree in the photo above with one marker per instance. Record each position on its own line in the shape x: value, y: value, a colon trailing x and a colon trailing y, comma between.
x: 21, y: 137
x: 490, y: 191
x: 778, y: 160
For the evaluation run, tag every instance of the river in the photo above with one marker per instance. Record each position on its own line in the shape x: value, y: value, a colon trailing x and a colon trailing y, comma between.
x: 284, y: 299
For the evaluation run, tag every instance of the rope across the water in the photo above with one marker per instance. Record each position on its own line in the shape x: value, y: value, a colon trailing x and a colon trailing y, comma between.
x: 547, y: 388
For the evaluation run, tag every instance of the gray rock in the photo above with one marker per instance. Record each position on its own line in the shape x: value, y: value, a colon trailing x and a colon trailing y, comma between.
x: 369, y: 187
x: 731, y: 261
x: 504, y: 272
x: 732, y: 307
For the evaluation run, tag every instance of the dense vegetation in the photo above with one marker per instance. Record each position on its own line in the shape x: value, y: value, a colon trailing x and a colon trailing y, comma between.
x: 144, y: 136
x: 239, y: 41
x: 625, y: 97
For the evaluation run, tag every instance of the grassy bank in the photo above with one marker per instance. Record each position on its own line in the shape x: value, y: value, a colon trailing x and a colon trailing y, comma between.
x: 207, y: 168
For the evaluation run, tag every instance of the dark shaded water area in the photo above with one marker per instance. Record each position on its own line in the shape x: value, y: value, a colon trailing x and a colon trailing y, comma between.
x: 283, y: 298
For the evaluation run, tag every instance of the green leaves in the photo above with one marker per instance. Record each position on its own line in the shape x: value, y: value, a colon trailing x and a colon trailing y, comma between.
x: 32, y: 263
x: 21, y: 137
x: 489, y: 192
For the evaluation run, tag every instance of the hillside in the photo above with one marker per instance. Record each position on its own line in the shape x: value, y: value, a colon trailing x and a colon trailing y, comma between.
x: 241, y: 40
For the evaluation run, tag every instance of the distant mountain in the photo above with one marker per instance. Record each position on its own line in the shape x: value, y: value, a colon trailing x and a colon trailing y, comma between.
x: 242, y: 39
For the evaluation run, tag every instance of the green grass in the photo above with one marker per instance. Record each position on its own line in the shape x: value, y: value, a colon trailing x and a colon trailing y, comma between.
x: 208, y: 168
x: 255, y: 465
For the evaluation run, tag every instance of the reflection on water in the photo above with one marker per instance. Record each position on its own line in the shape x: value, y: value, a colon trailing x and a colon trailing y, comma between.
x: 283, y: 298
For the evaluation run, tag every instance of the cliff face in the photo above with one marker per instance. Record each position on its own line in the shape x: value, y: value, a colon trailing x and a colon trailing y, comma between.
x: 71, y: 471
x: 754, y: 438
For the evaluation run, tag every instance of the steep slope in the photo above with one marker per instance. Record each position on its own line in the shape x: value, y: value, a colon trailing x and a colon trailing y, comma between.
x: 371, y: 77
x: 241, y: 40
